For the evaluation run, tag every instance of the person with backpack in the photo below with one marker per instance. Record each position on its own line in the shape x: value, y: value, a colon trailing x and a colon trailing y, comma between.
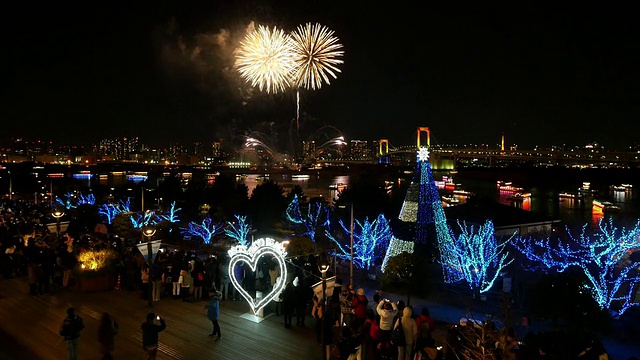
x: 70, y: 330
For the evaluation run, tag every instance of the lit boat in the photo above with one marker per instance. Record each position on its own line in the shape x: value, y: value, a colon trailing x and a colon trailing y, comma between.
x: 462, y: 192
x: 450, y: 200
x: 508, y: 186
x: 605, y: 207
x: 618, y: 188
x: 299, y: 177
x: 83, y: 175
x: 570, y: 196
x: 520, y: 196
x: 449, y: 186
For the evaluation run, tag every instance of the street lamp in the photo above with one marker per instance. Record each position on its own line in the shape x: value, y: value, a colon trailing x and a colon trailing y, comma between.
x: 57, y: 214
x: 149, y: 231
x: 323, y: 266
x: 351, y: 248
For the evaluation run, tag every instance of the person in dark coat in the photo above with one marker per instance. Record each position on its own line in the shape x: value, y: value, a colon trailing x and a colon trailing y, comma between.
x: 288, y: 304
x: 151, y: 334
x: 213, y: 311
x: 302, y: 295
x: 70, y: 330
x: 106, y: 333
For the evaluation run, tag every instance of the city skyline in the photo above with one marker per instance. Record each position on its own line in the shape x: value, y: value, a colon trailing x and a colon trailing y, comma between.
x: 547, y: 75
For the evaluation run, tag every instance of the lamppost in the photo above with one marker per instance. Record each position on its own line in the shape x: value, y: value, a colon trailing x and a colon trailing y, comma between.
x: 351, y: 248
x: 57, y: 214
x: 323, y: 266
x: 149, y: 231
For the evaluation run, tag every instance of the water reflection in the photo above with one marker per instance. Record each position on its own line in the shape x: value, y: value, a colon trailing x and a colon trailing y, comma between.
x: 327, y: 187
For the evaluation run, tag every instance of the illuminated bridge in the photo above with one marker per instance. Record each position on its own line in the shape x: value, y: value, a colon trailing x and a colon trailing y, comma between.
x: 452, y: 158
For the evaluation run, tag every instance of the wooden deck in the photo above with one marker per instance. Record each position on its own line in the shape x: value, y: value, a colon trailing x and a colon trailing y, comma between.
x: 29, y: 328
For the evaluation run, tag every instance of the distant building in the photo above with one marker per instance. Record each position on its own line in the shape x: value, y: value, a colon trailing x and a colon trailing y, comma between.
x: 359, y: 150
x: 216, y: 149
x: 119, y: 149
x: 309, y: 150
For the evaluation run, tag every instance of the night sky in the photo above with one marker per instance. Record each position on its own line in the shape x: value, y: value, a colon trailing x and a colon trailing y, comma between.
x: 543, y: 74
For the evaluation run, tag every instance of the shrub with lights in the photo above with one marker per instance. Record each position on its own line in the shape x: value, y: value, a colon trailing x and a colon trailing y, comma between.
x: 94, y: 262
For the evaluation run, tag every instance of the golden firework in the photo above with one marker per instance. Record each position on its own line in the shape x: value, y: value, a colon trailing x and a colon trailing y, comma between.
x: 317, y: 55
x: 265, y: 59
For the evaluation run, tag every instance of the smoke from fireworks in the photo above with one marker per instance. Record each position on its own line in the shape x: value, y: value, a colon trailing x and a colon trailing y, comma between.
x: 316, y: 54
x: 265, y: 59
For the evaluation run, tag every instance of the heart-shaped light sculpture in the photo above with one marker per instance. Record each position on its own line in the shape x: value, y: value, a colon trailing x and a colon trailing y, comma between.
x: 250, y: 256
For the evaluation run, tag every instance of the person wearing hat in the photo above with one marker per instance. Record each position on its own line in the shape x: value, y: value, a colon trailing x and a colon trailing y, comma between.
x: 359, y: 304
x: 213, y: 311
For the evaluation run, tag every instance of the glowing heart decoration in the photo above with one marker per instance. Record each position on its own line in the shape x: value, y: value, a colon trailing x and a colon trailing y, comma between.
x: 250, y: 256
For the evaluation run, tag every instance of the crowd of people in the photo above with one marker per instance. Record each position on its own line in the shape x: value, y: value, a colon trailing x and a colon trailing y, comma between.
x: 350, y: 326
x: 347, y: 323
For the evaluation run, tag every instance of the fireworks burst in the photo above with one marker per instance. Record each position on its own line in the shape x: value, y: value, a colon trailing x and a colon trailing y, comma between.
x: 265, y: 59
x: 317, y: 55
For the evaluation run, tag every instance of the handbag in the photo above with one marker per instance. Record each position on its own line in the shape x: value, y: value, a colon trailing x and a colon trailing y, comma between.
x: 397, y: 336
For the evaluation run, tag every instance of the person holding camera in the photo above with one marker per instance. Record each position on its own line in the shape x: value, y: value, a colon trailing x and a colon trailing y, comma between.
x: 151, y: 334
x: 387, y: 310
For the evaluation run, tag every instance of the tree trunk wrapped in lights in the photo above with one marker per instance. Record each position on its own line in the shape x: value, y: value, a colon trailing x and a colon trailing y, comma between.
x: 171, y: 216
x: 239, y: 230
x: 478, y: 256
x: 206, y: 230
x: 317, y: 216
x: 370, y: 241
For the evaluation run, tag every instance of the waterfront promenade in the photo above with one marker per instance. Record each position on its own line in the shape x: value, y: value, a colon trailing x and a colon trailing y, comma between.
x: 29, y: 328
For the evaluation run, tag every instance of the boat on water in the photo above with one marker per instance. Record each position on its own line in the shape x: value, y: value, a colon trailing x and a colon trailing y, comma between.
x: 449, y: 200
x: 605, y: 206
x: 621, y: 187
x: 570, y: 196
x: 520, y: 196
x: 461, y: 192
x: 508, y: 186
x: 300, y: 176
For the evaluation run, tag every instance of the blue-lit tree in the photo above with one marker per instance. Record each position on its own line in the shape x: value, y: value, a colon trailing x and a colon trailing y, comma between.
x: 86, y: 199
x: 604, y: 259
x: 171, y: 216
x: 69, y: 201
x: 239, y: 230
x: 479, y: 256
x: 139, y: 221
x: 317, y: 216
x: 109, y: 212
x: 125, y: 206
x: 205, y: 230
x: 370, y: 241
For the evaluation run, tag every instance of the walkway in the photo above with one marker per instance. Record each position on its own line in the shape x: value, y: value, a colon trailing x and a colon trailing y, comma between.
x: 29, y: 328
